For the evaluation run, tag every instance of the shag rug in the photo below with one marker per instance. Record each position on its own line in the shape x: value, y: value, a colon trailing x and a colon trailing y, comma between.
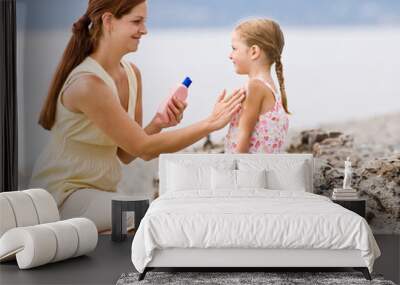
x: 230, y: 278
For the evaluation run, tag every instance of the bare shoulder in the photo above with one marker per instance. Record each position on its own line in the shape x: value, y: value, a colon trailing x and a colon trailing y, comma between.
x: 259, y: 91
x: 256, y: 84
x: 88, y: 89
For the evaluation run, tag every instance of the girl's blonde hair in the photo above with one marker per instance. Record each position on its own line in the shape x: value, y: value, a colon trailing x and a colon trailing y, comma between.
x: 268, y: 36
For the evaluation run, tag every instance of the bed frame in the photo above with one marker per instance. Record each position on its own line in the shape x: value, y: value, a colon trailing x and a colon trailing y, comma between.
x: 246, y: 259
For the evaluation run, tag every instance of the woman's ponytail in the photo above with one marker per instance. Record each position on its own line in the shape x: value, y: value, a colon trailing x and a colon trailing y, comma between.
x: 78, y: 48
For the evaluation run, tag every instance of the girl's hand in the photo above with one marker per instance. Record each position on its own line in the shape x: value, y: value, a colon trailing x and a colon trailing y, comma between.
x: 175, y: 109
x: 225, y: 108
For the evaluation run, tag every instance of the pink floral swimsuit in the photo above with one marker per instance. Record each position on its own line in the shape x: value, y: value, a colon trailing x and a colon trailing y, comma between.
x: 269, y: 133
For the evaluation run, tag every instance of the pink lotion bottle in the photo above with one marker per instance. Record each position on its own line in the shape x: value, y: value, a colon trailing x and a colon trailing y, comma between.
x: 180, y: 92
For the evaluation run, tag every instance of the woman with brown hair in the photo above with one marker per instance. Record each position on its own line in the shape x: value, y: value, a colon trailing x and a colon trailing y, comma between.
x: 94, y: 113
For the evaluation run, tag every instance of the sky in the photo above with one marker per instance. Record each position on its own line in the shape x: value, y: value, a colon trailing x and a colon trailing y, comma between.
x: 58, y: 14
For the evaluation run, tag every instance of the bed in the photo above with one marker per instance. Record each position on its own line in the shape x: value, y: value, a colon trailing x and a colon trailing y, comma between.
x: 245, y: 211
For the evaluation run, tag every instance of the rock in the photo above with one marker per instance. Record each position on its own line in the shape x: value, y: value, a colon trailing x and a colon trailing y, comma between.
x: 380, y: 183
x: 382, y: 130
x: 307, y: 139
x: 376, y: 173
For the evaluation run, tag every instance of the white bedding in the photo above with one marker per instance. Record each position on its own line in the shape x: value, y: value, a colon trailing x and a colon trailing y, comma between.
x: 251, y: 218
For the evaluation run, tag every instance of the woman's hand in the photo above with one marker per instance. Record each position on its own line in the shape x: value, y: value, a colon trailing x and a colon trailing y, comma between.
x: 175, y: 110
x: 225, y: 108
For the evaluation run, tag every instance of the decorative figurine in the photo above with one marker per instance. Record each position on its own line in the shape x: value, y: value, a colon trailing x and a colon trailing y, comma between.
x: 347, y: 174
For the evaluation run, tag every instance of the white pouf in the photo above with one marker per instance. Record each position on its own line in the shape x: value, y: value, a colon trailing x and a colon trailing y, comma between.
x: 31, y: 232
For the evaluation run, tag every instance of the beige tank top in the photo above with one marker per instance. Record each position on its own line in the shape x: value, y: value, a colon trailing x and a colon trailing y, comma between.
x: 79, y: 155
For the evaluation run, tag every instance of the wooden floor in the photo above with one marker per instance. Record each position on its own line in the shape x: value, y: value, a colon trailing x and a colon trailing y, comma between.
x: 111, y: 259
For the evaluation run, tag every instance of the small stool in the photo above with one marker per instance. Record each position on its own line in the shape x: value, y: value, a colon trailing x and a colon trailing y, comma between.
x: 121, y: 205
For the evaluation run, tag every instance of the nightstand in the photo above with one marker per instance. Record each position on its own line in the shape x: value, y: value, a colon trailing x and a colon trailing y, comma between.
x: 355, y: 205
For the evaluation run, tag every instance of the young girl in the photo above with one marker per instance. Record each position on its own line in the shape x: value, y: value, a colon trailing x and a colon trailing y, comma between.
x: 262, y: 123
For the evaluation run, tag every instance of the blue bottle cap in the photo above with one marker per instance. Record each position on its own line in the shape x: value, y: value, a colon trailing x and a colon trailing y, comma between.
x: 187, y: 82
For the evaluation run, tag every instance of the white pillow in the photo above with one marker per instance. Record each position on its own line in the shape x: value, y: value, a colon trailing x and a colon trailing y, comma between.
x: 293, y: 181
x: 237, y: 179
x: 251, y: 178
x: 223, y: 179
x: 186, y: 175
x: 282, y: 174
